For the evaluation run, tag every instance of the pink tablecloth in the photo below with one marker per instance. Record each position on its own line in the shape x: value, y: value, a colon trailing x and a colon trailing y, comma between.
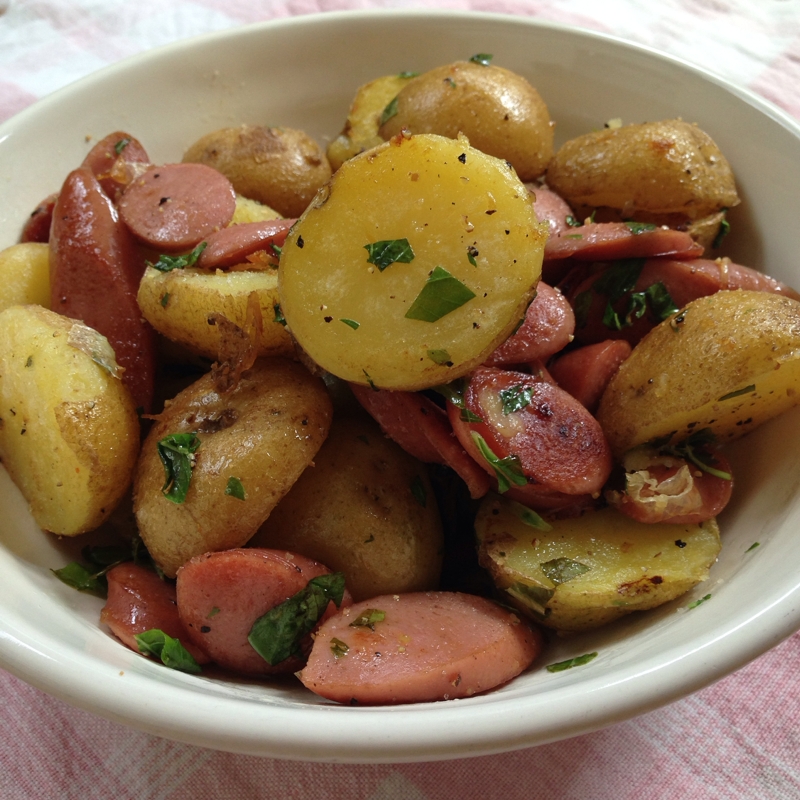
x: 736, y: 739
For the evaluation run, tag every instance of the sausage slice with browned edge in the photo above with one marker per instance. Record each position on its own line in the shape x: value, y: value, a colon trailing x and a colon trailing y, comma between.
x: 232, y: 245
x: 176, y: 206
x: 419, y: 647
x: 115, y: 161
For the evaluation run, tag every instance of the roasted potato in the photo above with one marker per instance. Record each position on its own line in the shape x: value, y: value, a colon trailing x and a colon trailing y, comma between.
x: 178, y: 304
x: 248, y: 210
x: 279, y: 167
x: 727, y: 363
x: 25, y: 275
x: 590, y: 570
x: 496, y: 109
x: 69, y: 433
x: 252, y: 442
x: 656, y: 169
x: 365, y: 508
x: 415, y: 263
x: 360, y: 131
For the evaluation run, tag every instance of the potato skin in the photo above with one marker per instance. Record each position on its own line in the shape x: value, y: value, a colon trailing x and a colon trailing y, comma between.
x: 25, y: 275
x: 69, y: 433
x: 359, y: 510
x: 496, y: 109
x: 727, y: 362
x: 351, y: 317
x: 279, y: 167
x: 178, y: 303
x: 627, y: 565
x: 667, y: 167
x: 264, y: 432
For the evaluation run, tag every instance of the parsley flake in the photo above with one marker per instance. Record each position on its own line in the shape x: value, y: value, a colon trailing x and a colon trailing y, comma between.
x: 516, y: 398
x: 235, y: 488
x: 368, y: 618
x: 578, y: 661
x: 389, y: 251
x: 698, y: 602
x: 561, y: 570
x: 351, y: 323
x: 389, y: 112
x: 484, y: 59
x: 441, y: 357
x: 176, y: 452
x: 338, y: 648
x: 746, y: 390
x: 169, y: 651
x: 121, y: 145
x: 167, y: 263
x: 507, y: 470
x: 441, y: 295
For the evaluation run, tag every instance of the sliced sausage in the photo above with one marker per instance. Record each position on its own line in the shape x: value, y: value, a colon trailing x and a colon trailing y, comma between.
x: 176, y: 206
x: 547, y: 328
x: 550, y: 437
x: 415, y: 648
x: 115, y: 161
x: 95, y: 271
x: 138, y: 601
x: 37, y: 226
x: 584, y: 373
x: 232, y: 245
x: 422, y: 429
x: 606, y: 241
x: 550, y: 208
x: 220, y: 596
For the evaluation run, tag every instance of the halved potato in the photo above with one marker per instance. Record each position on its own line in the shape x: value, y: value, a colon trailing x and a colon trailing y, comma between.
x: 593, y: 569
x: 727, y: 362
x: 413, y: 265
x: 25, y: 275
x: 69, y: 432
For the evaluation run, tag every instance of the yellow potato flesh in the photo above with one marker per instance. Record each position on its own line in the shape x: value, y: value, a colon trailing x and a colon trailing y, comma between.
x: 630, y: 565
x: 727, y: 362
x: 25, y: 275
x: 455, y: 206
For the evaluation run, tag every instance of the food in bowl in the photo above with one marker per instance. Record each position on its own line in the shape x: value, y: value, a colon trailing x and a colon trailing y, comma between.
x: 552, y: 496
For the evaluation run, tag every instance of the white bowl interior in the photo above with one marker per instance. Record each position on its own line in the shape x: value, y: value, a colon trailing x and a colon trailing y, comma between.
x: 303, y: 73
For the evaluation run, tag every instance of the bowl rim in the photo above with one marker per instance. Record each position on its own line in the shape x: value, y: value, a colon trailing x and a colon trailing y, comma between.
x: 477, y: 726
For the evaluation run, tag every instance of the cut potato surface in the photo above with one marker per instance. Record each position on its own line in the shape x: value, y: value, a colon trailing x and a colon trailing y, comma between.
x: 25, y: 275
x: 593, y: 569
x: 69, y: 433
x: 727, y: 362
x: 413, y: 265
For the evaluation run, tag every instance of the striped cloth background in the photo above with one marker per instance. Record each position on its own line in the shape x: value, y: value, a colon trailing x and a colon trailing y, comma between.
x: 736, y: 739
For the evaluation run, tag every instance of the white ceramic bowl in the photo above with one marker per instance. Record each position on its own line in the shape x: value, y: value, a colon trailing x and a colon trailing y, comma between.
x: 302, y: 73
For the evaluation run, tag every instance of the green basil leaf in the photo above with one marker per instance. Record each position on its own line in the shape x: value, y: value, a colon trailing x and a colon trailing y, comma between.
x: 235, y: 488
x: 484, y: 59
x: 167, y: 263
x: 338, y: 648
x: 640, y: 227
x: 441, y: 294
x: 176, y: 452
x: 724, y: 230
x: 535, y: 598
x: 367, y: 618
x: 661, y: 303
x: 472, y: 254
x: 407, y: 74
x: 738, y: 393
x: 169, y: 651
x: 351, y: 323
x: 389, y: 251
x: 698, y: 602
x: 278, y: 634
x: 516, y: 398
x: 578, y: 661
x: 121, y: 145
x: 507, y: 470
x: 619, y: 279
x: 441, y: 357
x: 389, y: 112
x: 528, y: 516
x: 279, y: 318
x: 561, y: 570
x: 84, y: 580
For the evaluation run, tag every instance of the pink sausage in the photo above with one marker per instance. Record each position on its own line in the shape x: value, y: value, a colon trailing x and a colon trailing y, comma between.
x: 232, y: 245
x: 176, y: 206
x: 421, y: 428
x: 584, y: 373
x: 548, y: 327
x: 426, y: 646
x: 115, y: 161
x: 220, y: 596
x: 550, y: 208
x: 37, y: 226
x: 607, y: 241
x: 138, y: 601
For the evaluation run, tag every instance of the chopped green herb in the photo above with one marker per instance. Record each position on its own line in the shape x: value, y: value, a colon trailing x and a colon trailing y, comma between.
x: 29, y: 362
x: 370, y: 382
x: 561, y: 570
x: 583, y: 302
x: 688, y: 450
x: 278, y: 634
x: 516, y: 398
x: 389, y: 251
x: 441, y: 294
x: 368, y: 618
x: 167, y: 263
x: 213, y: 613
x: 338, y: 648
x: 441, y: 357
x: 419, y: 491
x: 121, y: 145
x: 84, y: 580
x: 484, y: 59
x: 640, y: 227
x: 279, y: 318
x: 235, y: 488
x: 619, y: 279
x: 164, y: 299
x: 528, y: 516
x: 573, y: 222
x: 472, y: 254
x: 753, y: 546
x: 507, y: 470
x: 407, y: 74
x: 170, y: 651
x: 698, y: 602
x: 578, y: 661
x: 351, y: 323
x: 370, y: 540
x: 450, y: 82
x: 747, y: 390
x: 389, y: 112
x: 535, y: 598
x: 724, y: 230
x: 176, y: 452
